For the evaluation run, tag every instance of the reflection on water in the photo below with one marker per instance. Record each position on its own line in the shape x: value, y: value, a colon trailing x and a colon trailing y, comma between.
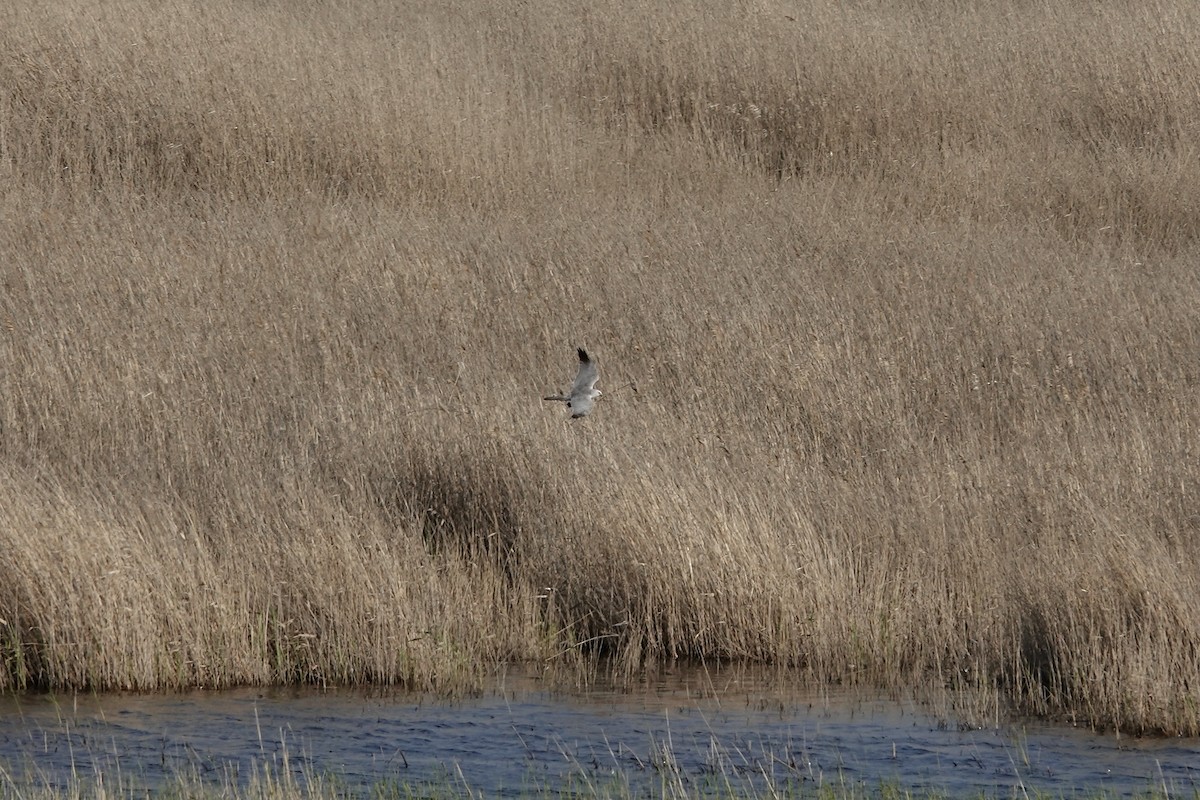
x: 693, y: 729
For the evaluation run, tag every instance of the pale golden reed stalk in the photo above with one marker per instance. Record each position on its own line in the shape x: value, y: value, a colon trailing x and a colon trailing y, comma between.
x: 895, y: 311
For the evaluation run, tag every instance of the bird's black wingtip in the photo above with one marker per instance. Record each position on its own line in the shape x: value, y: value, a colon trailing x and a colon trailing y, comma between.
x: 583, y: 356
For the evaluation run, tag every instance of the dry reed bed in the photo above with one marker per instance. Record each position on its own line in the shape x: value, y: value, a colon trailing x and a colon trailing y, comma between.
x: 896, y: 312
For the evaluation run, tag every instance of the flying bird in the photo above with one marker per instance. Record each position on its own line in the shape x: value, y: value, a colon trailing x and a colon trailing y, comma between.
x: 583, y: 391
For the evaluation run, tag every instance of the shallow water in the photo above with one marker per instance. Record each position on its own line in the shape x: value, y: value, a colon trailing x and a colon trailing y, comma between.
x: 689, y: 729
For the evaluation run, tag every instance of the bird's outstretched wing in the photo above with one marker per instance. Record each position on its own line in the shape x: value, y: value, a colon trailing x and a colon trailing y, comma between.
x: 581, y: 406
x: 587, y: 376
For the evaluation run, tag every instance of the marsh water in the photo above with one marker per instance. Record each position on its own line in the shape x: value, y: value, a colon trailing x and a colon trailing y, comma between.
x: 686, y: 729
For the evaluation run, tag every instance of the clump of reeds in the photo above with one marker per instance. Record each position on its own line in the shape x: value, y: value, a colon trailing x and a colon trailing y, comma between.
x: 895, y: 312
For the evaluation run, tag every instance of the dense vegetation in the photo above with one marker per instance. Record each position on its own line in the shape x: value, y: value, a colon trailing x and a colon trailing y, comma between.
x: 895, y: 306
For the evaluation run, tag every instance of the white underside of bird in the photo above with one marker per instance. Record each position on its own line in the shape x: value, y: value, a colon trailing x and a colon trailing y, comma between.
x: 583, y: 393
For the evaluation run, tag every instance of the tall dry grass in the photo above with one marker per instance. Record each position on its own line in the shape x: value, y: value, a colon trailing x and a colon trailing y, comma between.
x: 895, y: 304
